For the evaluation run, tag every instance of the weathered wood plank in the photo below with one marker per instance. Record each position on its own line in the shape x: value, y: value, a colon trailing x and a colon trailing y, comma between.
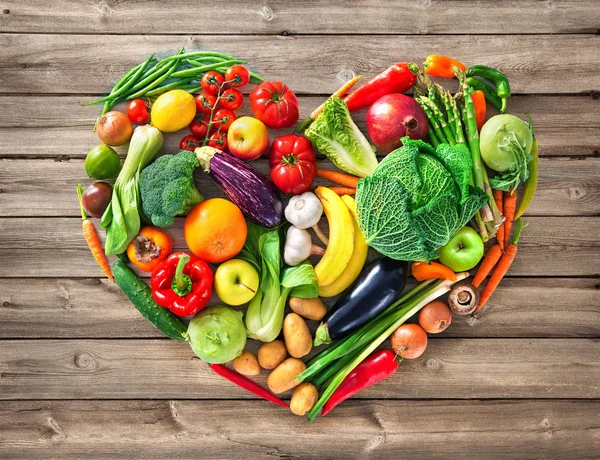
x: 56, y: 118
x: 92, y: 308
x: 258, y: 430
x: 164, y: 369
x: 46, y: 187
x: 88, y: 64
x: 332, y: 17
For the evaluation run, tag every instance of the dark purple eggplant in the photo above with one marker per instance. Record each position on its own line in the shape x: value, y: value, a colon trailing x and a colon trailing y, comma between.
x: 377, y: 286
x: 255, y: 194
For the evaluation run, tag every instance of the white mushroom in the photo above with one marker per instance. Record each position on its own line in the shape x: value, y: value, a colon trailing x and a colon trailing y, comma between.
x: 299, y: 247
x: 305, y: 211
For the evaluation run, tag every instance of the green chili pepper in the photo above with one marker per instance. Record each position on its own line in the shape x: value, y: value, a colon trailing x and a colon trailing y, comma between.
x: 487, y: 90
x: 494, y: 76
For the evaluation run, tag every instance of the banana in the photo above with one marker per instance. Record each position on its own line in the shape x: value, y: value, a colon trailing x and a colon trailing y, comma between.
x: 341, y: 237
x: 357, y: 261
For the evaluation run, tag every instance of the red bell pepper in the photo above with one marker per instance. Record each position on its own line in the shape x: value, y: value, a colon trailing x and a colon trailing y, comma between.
x: 247, y: 384
x: 182, y: 283
x: 292, y: 162
x: 378, y: 366
x: 397, y: 78
x: 441, y: 66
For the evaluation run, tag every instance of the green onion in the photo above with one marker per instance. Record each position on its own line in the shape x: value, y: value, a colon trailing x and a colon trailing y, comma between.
x: 394, y: 320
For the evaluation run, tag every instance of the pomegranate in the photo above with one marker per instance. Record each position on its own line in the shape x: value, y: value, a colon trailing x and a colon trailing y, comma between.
x: 391, y: 118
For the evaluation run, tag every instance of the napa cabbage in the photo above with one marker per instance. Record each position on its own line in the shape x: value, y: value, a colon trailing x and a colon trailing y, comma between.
x: 417, y: 199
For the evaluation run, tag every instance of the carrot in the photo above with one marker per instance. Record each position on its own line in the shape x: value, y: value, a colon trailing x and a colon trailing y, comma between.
x: 344, y: 179
x: 93, y: 240
x: 502, y: 267
x: 509, y: 208
x: 487, y: 264
x: 500, y: 230
x: 343, y: 190
x: 340, y: 93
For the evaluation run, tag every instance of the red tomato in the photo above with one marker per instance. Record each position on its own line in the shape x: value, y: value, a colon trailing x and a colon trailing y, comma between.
x: 292, y: 162
x: 274, y: 104
x: 211, y: 82
x: 190, y: 143
x: 137, y: 111
x: 199, y: 126
x: 218, y: 140
x: 223, y: 118
x: 204, y: 103
x: 237, y: 75
x: 231, y: 99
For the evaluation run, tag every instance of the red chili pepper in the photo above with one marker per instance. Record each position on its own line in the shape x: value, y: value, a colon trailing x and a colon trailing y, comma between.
x: 480, y: 107
x: 397, y: 78
x: 441, y: 66
x: 182, y: 283
x: 378, y: 366
x: 247, y: 384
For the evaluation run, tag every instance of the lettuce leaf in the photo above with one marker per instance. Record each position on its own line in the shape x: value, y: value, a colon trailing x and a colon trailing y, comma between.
x: 417, y: 199
x: 335, y: 135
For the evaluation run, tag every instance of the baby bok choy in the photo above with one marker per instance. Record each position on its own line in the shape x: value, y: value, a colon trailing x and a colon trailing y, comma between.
x: 122, y: 216
x: 264, y: 318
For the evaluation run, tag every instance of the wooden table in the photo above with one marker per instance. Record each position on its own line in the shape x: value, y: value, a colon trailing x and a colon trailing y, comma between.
x: 83, y: 375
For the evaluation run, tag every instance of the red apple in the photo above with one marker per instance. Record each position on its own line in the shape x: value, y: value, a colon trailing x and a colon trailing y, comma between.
x: 247, y: 138
x: 391, y: 118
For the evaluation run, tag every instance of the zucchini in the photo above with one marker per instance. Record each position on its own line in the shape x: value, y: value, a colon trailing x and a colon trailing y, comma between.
x: 140, y: 295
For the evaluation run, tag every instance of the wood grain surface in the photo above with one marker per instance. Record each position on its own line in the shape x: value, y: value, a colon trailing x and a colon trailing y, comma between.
x: 83, y: 375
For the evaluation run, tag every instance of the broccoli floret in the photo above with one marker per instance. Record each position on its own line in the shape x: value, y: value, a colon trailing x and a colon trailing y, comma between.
x: 167, y: 187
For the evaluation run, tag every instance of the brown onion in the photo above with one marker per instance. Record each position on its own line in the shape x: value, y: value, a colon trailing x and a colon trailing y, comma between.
x: 435, y: 317
x: 409, y: 341
x: 114, y: 128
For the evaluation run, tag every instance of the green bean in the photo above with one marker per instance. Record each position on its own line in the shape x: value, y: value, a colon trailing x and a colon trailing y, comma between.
x: 173, y: 85
x: 154, y: 84
x: 194, y: 89
x: 255, y: 78
x: 196, y: 70
x: 199, y: 63
x: 125, y: 87
x: 196, y: 53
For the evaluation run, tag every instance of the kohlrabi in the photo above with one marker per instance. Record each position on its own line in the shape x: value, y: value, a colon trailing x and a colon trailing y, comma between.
x: 505, y: 144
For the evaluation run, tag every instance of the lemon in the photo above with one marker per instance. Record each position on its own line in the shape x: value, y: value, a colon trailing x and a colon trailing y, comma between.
x: 173, y: 110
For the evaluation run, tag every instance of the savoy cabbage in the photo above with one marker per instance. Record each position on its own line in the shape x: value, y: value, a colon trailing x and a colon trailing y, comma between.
x: 416, y: 199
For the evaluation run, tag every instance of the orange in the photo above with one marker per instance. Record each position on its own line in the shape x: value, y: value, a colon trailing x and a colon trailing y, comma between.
x: 215, y: 230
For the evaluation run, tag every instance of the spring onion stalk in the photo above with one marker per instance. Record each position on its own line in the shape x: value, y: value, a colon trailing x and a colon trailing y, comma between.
x: 395, y: 320
x: 368, y: 332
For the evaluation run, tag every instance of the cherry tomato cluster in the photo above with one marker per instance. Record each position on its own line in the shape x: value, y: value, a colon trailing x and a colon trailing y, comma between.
x: 215, y: 108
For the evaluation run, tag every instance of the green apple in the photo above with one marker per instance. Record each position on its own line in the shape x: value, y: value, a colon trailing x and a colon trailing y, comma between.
x: 463, y: 251
x: 236, y: 282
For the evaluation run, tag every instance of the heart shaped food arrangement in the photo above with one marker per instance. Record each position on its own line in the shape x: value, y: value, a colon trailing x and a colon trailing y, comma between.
x: 434, y: 180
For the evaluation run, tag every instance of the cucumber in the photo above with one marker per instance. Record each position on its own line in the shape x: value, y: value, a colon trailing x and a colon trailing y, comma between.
x: 140, y: 295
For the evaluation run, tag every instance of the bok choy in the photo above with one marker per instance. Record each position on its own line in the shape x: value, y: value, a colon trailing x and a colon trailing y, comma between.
x: 264, y: 318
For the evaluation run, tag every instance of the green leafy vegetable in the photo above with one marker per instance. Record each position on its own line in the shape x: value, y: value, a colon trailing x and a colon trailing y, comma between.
x: 335, y: 135
x: 122, y: 216
x: 417, y: 199
x: 217, y: 334
x: 167, y: 187
x: 264, y: 318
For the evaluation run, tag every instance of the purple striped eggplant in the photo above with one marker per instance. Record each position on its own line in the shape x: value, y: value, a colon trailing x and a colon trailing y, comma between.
x: 252, y: 192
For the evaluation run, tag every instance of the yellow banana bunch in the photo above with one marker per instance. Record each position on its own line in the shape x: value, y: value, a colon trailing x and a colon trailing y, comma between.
x: 357, y: 261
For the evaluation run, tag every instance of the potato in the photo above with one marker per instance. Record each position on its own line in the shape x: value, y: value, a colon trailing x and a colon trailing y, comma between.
x: 283, y: 377
x: 304, y: 398
x: 308, y: 308
x: 246, y: 364
x: 271, y: 355
x: 297, y: 336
